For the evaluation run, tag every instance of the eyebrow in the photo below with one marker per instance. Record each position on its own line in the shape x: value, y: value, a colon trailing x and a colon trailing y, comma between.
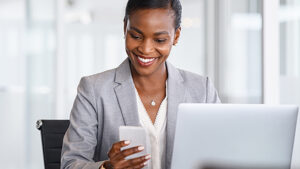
x: 156, y: 34
x: 160, y: 33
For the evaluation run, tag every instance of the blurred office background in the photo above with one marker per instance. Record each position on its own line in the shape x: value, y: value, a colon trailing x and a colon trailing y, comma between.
x: 47, y: 46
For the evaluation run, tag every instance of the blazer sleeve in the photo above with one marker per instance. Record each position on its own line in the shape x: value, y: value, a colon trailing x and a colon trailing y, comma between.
x: 211, y: 92
x: 80, y: 140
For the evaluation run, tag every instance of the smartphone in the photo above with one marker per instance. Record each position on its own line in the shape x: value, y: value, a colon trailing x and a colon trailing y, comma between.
x: 137, y: 136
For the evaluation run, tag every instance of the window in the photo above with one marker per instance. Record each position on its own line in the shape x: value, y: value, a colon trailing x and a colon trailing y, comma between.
x: 238, y: 51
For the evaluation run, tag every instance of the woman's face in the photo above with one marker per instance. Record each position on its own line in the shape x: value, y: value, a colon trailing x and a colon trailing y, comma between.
x: 150, y: 35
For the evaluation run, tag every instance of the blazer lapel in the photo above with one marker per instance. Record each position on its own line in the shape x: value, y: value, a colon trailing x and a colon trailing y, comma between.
x: 127, y: 101
x: 126, y: 95
x: 176, y: 95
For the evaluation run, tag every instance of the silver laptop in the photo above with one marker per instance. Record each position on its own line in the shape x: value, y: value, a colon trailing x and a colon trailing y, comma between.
x: 220, y: 136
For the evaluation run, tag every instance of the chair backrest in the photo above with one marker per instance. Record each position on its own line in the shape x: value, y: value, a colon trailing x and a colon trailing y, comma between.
x: 52, y: 133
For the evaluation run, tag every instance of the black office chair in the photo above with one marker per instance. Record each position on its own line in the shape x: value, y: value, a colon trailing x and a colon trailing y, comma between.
x: 52, y: 133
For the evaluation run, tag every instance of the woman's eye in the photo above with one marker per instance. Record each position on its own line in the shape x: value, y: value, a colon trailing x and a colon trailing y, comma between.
x: 161, y: 40
x: 135, y: 37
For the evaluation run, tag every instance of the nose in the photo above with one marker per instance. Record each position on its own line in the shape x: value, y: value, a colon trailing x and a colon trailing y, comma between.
x: 146, y: 47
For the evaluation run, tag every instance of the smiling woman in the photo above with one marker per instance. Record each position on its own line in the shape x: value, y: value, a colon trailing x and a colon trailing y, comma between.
x: 144, y: 90
x: 148, y: 44
x: 149, y: 40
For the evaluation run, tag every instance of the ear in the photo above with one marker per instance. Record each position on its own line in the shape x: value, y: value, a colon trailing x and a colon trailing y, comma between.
x: 177, y: 35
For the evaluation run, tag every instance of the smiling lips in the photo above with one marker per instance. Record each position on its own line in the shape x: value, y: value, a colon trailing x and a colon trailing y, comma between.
x: 145, y: 61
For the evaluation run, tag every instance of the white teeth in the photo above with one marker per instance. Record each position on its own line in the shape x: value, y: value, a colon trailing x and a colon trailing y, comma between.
x: 145, y: 60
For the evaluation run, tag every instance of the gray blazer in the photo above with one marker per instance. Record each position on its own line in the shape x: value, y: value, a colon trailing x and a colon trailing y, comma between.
x: 107, y: 100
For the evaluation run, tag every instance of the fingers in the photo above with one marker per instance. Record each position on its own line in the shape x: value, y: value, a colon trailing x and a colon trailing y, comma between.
x: 116, y: 147
x: 135, y: 163
x: 123, y: 154
x: 117, y: 157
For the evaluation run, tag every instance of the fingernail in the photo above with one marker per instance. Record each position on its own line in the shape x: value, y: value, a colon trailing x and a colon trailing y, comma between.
x: 145, y: 163
x: 148, y: 157
x: 141, y: 148
x: 127, y: 142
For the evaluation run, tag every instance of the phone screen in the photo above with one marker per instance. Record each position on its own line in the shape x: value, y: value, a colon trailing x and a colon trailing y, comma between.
x: 137, y: 136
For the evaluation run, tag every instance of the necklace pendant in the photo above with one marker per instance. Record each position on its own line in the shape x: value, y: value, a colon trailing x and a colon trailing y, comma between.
x: 153, y: 103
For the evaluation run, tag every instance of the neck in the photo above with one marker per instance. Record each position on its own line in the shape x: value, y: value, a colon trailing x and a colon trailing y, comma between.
x: 154, y: 81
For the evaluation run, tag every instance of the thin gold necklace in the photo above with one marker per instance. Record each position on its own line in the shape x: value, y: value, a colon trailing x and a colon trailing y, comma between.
x: 152, y: 103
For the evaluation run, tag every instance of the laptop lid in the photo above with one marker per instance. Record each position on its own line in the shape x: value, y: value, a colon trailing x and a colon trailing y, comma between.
x: 234, y: 136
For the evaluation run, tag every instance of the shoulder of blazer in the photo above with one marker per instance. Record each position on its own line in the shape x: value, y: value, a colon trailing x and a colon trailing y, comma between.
x: 192, y: 78
x: 101, y: 79
x: 111, y: 76
x: 103, y: 82
x: 188, y: 78
x: 195, y: 84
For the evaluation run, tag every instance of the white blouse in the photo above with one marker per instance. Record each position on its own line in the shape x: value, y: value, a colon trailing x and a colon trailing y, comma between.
x: 156, y: 131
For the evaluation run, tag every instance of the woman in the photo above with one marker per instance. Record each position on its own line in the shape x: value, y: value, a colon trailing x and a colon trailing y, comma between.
x: 144, y: 90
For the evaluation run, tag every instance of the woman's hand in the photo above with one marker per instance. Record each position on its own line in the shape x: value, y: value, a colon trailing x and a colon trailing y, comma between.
x: 117, y: 157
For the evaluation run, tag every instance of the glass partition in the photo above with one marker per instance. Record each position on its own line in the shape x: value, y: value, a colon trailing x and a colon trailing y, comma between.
x: 12, y: 84
x: 27, y: 53
x: 290, y: 51
x: 239, y: 51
